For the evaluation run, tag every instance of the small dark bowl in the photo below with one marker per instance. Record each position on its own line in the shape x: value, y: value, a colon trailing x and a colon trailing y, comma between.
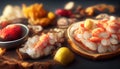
x: 18, y: 42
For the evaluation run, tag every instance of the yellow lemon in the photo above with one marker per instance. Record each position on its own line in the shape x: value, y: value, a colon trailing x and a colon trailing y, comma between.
x: 88, y: 24
x: 64, y: 56
x: 51, y: 15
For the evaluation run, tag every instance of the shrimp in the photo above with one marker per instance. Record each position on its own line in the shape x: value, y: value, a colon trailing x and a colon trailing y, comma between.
x: 95, y: 39
x: 112, y: 27
x: 97, y: 31
x: 43, y: 41
x: 102, y: 23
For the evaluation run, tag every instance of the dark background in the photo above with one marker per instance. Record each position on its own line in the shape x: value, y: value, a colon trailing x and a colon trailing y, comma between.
x: 80, y: 62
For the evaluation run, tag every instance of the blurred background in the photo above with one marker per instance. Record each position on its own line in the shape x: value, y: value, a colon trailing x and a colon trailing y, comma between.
x: 53, y: 4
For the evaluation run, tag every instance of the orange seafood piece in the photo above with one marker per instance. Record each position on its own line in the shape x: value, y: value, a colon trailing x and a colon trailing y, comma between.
x: 43, y: 41
x: 37, y: 15
x: 95, y: 39
x: 97, y: 31
x: 34, y: 11
x: 103, y: 23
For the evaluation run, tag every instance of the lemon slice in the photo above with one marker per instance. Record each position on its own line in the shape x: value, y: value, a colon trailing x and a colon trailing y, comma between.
x: 88, y: 24
x: 64, y: 56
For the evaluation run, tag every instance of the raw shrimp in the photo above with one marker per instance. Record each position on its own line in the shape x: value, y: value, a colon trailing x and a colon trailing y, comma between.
x: 43, y: 45
x: 43, y: 41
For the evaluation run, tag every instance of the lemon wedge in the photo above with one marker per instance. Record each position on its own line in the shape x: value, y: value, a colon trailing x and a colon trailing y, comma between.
x: 88, y: 24
x: 64, y: 56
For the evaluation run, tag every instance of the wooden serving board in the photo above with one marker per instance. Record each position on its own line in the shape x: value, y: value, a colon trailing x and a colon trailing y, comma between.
x: 79, y: 49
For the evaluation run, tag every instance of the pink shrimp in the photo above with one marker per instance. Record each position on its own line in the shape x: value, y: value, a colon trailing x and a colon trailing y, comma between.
x: 102, y: 23
x: 43, y: 41
x: 97, y: 31
x: 81, y: 29
x: 95, y: 39
x: 112, y: 27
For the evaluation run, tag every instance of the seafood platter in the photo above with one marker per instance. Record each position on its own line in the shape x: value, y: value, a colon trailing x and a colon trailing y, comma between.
x: 33, y: 37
